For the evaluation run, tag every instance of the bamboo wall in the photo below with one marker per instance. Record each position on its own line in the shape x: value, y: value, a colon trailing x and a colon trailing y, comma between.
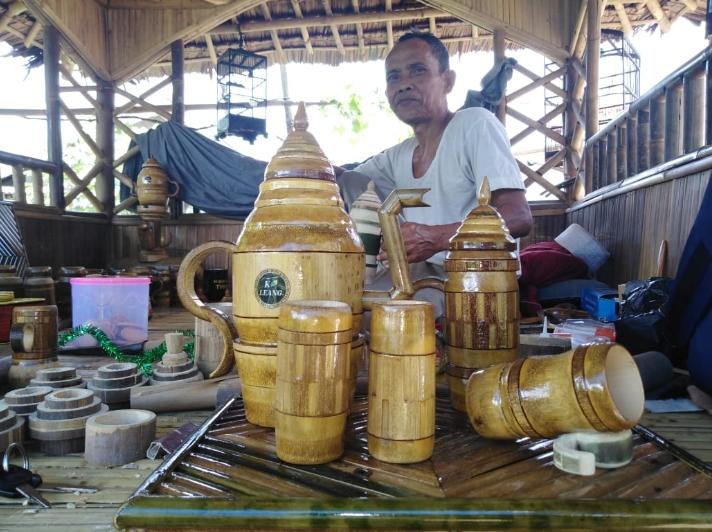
x: 186, y: 233
x: 54, y: 240
x: 549, y: 222
x: 632, y: 225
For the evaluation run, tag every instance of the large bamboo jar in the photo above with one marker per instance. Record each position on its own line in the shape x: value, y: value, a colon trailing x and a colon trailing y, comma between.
x: 152, y: 190
x: 312, y: 386
x: 9, y: 281
x: 33, y: 340
x: 401, y: 382
x: 481, y: 296
x: 594, y: 387
x: 298, y: 243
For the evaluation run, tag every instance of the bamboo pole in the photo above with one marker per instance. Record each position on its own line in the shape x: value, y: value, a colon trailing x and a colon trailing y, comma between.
x: 596, y: 162
x: 600, y: 178
x: 673, y: 121
x: 612, y: 168
x: 531, y: 174
x: 593, y: 52
x: 632, y: 145
x: 389, y: 24
x: 643, y: 140
x: 81, y: 186
x: 37, y: 192
x: 657, y: 130
x: 359, y: 29
x: 531, y: 129
x: 285, y: 94
x: 140, y: 99
x: 76, y: 86
x: 621, y: 152
x: 160, y: 111
x: 126, y: 156
x: 105, y: 142
x: 570, y: 123
x: 18, y: 182
x: 499, y: 46
x: 538, y: 83
x: 54, y: 126
x: 534, y: 77
x: 32, y: 34
x: 708, y: 99
x: 693, y: 119
x: 558, y: 137
x: 334, y: 27
x: 128, y: 202
x: 178, y: 105
x: 305, y: 31
x: 80, y: 130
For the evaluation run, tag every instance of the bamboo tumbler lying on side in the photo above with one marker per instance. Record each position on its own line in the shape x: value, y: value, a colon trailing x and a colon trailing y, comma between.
x: 594, y: 387
x: 312, y: 384
x: 401, y: 382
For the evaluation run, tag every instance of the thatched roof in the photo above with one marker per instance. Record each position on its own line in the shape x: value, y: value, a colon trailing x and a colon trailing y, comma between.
x: 335, y: 31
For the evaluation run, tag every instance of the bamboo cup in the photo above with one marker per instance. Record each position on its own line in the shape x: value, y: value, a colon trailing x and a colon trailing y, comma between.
x: 312, y: 385
x: 594, y: 387
x: 33, y: 340
x: 401, y: 382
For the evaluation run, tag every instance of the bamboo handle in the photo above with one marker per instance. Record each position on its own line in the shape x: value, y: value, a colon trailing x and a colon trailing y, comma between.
x: 22, y: 337
x: 393, y: 239
x: 191, y: 301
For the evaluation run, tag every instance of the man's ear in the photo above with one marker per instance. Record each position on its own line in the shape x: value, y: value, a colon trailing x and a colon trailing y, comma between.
x: 449, y: 80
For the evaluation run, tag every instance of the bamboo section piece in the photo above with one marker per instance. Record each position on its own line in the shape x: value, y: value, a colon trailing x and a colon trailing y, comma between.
x: 113, y: 383
x: 118, y: 437
x: 594, y: 387
x: 401, y: 383
x: 312, y: 385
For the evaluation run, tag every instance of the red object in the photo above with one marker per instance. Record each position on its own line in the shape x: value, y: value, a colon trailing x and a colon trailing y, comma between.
x: 5, y: 322
x: 543, y: 264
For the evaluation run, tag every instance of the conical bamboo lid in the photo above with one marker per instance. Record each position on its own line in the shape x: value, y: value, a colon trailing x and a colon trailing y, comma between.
x: 300, y: 155
x: 483, y: 228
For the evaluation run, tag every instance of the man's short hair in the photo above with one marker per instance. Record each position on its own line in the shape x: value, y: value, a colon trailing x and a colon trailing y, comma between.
x: 437, y: 48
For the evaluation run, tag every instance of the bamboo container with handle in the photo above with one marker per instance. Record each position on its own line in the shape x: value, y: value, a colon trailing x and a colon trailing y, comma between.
x: 594, y: 387
x: 481, y: 295
x: 297, y: 244
x: 401, y: 382
x: 33, y: 340
x: 312, y: 386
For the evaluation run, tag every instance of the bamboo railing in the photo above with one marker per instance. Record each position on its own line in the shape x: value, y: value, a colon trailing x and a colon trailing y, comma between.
x: 672, y: 119
x: 20, y: 164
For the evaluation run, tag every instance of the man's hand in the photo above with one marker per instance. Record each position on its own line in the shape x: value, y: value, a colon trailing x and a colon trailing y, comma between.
x: 423, y: 241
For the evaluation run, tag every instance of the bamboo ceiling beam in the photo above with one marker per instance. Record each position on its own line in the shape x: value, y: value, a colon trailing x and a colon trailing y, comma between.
x: 334, y: 27
x: 11, y: 12
x: 433, y: 26
x: 657, y: 11
x: 475, y: 34
x: 538, y: 83
x: 622, y: 17
x: 359, y: 28
x: 211, y: 50
x: 273, y: 33
x: 578, y: 28
x: 389, y: 25
x: 305, y: 31
x: 32, y: 34
x: 531, y: 75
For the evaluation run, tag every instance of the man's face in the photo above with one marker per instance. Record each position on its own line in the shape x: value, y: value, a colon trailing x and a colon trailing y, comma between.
x: 415, y: 87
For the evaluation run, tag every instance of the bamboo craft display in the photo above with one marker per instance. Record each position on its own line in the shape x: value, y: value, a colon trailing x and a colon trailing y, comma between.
x: 12, y: 427
x: 58, y: 377
x: 312, y: 381
x: 113, y: 383
x: 175, y: 366
x: 33, y: 340
x: 298, y: 243
x: 60, y: 420
x: 401, y: 382
x: 364, y: 213
x: 118, y: 437
x: 481, y: 296
x: 593, y: 387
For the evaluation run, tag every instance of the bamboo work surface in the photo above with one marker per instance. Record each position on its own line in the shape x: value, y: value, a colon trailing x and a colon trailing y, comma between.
x: 470, y: 483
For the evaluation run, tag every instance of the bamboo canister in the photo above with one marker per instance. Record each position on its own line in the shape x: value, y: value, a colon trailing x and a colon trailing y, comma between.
x: 257, y: 367
x: 401, y: 383
x: 481, y: 294
x: 39, y: 283
x: 33, y: 334
x: 594, y: 387
x: 312, y: 390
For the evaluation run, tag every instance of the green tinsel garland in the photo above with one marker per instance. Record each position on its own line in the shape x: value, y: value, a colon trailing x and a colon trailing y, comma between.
x: 143, y: 360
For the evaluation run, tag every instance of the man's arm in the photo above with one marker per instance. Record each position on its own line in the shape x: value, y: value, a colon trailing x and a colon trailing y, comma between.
x: 513, y: 207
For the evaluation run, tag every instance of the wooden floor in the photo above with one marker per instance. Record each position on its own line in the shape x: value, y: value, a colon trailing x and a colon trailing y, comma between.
x: 96, y: 511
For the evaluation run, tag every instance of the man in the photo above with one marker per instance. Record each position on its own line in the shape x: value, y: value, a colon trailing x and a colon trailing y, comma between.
x: 450, y: 153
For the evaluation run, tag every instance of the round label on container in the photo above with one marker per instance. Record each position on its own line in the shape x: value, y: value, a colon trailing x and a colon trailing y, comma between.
x: 271, y: 287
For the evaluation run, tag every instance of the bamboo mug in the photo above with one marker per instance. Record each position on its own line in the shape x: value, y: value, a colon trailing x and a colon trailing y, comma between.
x: 594, y: 387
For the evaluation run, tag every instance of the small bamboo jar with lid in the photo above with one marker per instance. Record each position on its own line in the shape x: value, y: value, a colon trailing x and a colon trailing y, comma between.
x: 481, y: 296
x: 401, y: 382
x: 312, y: 383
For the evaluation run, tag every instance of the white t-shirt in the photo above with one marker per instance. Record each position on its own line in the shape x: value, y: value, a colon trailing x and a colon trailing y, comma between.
x: 473, y: 145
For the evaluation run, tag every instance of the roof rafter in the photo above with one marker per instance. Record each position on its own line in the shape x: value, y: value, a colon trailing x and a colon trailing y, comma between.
x: 305, y: 31
x: 359, y: 28
x: 334, y: 27
x: 273, y: 33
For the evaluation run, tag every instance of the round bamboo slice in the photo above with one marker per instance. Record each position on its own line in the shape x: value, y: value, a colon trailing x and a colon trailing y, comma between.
x: 58, y: 377
x: 119, y: 437
x: 113, y: 383
x: 116, y: 370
